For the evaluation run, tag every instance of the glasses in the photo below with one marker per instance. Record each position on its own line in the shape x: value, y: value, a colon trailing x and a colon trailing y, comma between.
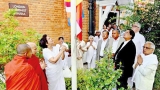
x: 146, y: 47
x: 135, y: 26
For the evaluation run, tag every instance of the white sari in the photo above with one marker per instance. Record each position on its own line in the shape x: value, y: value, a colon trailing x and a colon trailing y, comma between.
x: 80, y: 53
x: 54, y: 72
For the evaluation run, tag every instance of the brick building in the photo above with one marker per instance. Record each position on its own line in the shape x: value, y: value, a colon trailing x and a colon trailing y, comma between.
x: 49, y: 17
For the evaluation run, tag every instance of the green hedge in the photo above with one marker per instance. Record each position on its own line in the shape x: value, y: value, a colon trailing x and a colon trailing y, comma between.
x: 103, y: 77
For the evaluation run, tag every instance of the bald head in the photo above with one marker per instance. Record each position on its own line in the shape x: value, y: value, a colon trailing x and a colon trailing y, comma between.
x: 24, y: 49
x: 33, y: 47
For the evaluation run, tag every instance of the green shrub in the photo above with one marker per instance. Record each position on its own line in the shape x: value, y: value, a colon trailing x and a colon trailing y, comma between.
x: 2, y: 84
x: 10, y: 37
x: 157, y: 77
x: 81, y: 84
x: 68, y: 83
x: 103, y: 77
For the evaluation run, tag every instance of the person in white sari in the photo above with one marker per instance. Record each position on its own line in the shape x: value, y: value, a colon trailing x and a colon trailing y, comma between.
x: 80, y: 51
x: 91, y: 52
x: 65, y: 62
x: 53, y: 57
x: 146, y: 67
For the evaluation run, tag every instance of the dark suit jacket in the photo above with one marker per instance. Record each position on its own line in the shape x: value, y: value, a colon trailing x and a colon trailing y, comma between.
x: 126, y: 56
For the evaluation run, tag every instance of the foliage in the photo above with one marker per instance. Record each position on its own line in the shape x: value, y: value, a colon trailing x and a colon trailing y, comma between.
x: 69, y: 45
x: 10, y: 37
x: 148, y: 17
x: 157, y: 80
x: 81, y: 84
x: 103, y: 77
x: 68, y: 83
x: 2, y: 84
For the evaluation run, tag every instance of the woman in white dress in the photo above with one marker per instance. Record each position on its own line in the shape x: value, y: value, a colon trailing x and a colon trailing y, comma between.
x: 53, y: 56
x: 80, y: 51
x: 65, y: 62
x: 91, y: 52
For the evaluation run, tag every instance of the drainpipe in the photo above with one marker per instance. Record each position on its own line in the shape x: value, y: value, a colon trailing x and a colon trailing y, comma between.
x: 91, y: 17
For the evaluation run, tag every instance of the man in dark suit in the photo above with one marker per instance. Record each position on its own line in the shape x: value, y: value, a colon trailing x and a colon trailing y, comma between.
x: 126, y: 55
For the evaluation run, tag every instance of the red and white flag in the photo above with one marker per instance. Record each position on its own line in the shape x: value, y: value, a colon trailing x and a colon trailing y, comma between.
x: 79, y: 16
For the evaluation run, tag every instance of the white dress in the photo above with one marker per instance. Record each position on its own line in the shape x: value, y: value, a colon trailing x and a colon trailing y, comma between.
x: 65, y: 62
x: 80, y: 53
x: 91, y: 55
x: 54, y: 72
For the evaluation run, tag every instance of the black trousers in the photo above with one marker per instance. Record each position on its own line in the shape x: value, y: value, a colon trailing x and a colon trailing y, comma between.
x: 123, y: 82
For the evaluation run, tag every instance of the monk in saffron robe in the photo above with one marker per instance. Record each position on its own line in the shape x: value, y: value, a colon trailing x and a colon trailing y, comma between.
x: 19, y: 74
x: 38, y: 66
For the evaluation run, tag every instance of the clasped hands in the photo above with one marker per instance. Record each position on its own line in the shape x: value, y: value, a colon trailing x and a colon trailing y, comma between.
x: 63, y: 48
x: 90, y: 45
x: 139, y: 60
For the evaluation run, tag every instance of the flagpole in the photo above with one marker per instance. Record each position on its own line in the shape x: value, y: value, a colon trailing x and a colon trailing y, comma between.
x: 73, y: 45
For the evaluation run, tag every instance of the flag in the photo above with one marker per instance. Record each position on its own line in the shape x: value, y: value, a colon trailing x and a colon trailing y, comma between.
x: 79, y: 19
x: 79, y: 16
x: 68, y: 10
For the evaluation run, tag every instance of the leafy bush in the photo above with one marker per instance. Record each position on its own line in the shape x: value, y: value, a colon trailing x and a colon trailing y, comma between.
x: 103, y: 77
x: 157, y: 77
x: 68, y: 83
x: 81, y: 84
x: 11, y: 37
x: 2, y: 84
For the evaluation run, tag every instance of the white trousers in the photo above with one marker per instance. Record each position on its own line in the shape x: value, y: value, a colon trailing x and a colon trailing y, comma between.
x: 92, y: 64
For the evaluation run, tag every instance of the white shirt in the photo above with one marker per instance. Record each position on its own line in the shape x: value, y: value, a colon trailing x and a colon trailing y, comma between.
x: 115, y: 44
x: 64, y: 62
x: 145, y: 73
x: 103, y: 46
x: 96, y: 39
x: 91, y: 52
x: 125, y: 42
x: 139, y: 42
x: 110, y: 33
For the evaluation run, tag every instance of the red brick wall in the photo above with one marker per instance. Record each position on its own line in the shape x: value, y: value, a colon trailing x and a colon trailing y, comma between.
x: 48, y: 17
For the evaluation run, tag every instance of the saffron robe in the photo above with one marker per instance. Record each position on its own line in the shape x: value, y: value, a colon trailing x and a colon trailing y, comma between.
x: 34, y: 62
x: 20, y: 75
